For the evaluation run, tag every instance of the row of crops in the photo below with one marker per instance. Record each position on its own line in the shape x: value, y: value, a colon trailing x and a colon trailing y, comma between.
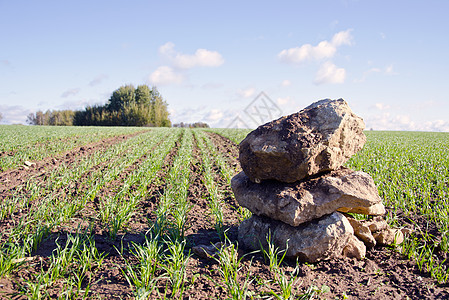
x: 24, y: 143
x: 103, y: 193
x: 129, y: 207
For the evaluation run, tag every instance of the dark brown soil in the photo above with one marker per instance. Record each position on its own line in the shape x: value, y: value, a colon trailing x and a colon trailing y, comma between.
x: 383, y: 274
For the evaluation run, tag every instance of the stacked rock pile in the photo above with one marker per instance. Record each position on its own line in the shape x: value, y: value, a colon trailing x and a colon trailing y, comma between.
x: 294, y: 183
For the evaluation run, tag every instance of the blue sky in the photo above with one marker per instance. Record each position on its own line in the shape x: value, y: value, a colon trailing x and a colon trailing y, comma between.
x: 210, y: 59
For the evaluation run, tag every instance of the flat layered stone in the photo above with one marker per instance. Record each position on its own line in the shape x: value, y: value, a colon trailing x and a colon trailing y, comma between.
x: 320, y: 239
x: 321, y: 137
x: 296, y: 203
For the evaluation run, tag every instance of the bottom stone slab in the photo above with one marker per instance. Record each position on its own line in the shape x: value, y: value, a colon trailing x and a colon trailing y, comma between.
x: 319, y: 239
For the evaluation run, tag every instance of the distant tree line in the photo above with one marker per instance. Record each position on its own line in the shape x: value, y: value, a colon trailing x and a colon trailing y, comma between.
x: 52, y: 117
x: 191, y: 125
x: 128, y: 106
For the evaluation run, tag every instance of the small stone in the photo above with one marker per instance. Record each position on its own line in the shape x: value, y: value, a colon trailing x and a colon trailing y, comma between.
x: 389, y: 236
x: 377, y: 224
x: 296, y: 203
x: 406, y: 231
x: 29, y: 163
x: 317, y: 240
x: 362, y: 232
x: 355, y: 248
x: 207, y: 251
x: 321, y: 137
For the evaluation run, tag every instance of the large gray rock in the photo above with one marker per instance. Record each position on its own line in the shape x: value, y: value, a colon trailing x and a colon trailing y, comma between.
x: 295, y: 203
x: 317, y: 240
x: 321, y: 137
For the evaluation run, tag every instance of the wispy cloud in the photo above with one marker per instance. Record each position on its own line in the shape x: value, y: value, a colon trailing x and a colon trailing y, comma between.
x: 97, y: 80
x: 387, y: 70
x: 246, y: 93
x: 381, y: 106
x: 14, y: 114
x: 213, y: 116
x: 70, y: 92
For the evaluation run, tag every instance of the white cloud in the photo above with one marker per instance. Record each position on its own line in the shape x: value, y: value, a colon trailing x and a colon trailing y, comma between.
x: 178, y: 62
x: 307, y: 52
x: 188, y: 115
x: 381, y: 106
x: 330, y: 73
x: 283, y: 101
x: 214, y: 116
x: 165, y: 75
x: 246, y: 93
x: 437, y: 125
x: 14, y: 114
x: 342, y: 38
x: 228, y: 118
x: 286, y: 82
x: 167, y: 49
x: 70, y: 92
x: 201, y: 57
x: 324, y: 49
x: 400, y: 122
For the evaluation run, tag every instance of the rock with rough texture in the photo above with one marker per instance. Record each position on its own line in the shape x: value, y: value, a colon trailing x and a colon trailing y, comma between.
x: 321, y: 137
x: 362, y: 232
x: 354, y: 248
x: 317, y: 240
x: 376, y: 224
x: 389, y: 236
x: 207, y: 251
x: 295, y: 203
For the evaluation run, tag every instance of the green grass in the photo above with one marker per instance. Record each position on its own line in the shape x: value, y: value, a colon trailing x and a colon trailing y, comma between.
x: 410, y: 169
x: 33, y: 143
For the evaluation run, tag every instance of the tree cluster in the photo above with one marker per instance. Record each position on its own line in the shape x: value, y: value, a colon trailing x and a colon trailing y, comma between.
x: 128, y: 106
x: 52, y: 118
x: 191, y: 125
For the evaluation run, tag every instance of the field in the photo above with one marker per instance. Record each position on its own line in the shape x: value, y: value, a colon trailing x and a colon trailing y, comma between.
x: 113, y: 213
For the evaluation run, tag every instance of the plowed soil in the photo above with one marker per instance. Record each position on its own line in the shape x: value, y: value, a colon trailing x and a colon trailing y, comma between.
x: 383, y: 274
